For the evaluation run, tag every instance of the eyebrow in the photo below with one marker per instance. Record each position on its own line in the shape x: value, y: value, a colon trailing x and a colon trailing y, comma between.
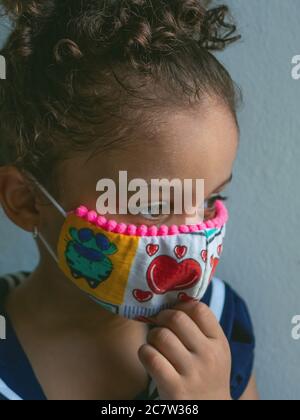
x: 228, y: 181
x: 224, y: 183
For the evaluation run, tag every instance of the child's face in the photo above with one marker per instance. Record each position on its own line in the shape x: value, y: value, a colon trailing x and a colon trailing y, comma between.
x: 198, y: 144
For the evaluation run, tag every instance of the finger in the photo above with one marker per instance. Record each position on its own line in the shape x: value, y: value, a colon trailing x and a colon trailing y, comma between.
x: 183, y: 326
x: 203, y: 317
x: 158, y: 367
x: 169, y: 345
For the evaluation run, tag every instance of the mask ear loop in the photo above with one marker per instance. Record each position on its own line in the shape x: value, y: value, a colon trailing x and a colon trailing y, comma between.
x: 51, y: 199
x: 47, y: 194
x: 38, y: 235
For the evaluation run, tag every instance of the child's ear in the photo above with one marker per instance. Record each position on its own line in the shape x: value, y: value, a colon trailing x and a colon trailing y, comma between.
x: 18, y: 199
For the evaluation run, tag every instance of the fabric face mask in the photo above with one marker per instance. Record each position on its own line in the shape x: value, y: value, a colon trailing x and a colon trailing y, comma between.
x: 137, y: 271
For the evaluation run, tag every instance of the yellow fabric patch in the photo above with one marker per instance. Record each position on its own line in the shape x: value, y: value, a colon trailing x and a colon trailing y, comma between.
x: 101, y: 274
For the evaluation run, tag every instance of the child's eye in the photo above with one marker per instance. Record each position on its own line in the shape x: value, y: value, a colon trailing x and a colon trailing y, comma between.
x: 156, y: 212
x: 160, y: 212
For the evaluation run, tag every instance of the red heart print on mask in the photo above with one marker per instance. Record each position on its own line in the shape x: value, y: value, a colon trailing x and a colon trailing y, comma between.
x: 180, y: 251
x: 142, y: 296
x: 214, y: 263
x: 152, y: 249
x: 165, y: 274
x: 220, y: 249
x: 204, y: 255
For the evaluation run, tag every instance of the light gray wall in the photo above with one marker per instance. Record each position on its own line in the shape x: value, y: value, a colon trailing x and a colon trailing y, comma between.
x: 261, y: 258
x: 17, y: 249
x: 4, y: 28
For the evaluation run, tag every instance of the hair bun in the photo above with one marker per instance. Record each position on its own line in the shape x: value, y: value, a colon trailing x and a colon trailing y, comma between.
x: 17, y: 8
x: 72, y: 82
x: 132, y: 29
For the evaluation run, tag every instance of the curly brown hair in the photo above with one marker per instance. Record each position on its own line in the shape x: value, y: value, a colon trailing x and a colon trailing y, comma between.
x: 89, y: 74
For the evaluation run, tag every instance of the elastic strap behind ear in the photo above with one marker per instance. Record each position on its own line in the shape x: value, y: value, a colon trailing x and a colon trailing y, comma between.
x: 48, y: 195
x: 36, y: 235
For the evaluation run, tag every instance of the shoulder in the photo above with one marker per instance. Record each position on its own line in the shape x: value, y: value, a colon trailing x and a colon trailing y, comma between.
x: 233, y: 314
x: 9, y: 347
x: 9, y: 282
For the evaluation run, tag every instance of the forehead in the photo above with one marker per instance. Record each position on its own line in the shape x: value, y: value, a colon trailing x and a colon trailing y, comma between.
x: 200, y: 143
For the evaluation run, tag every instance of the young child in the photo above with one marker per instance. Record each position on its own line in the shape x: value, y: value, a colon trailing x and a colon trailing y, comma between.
x: 93, y: 88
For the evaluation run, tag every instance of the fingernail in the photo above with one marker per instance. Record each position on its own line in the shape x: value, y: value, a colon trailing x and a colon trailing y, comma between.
x: 185, y: 298
x: 147, y: 320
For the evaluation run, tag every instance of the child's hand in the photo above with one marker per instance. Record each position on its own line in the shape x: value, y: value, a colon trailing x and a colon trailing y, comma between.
x: 188, y: 355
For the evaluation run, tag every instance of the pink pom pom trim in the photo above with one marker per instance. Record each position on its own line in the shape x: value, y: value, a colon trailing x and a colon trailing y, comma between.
x: 132, y: 230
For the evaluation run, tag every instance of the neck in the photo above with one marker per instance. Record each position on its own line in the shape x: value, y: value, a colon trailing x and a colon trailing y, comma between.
x: 51, y: 293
